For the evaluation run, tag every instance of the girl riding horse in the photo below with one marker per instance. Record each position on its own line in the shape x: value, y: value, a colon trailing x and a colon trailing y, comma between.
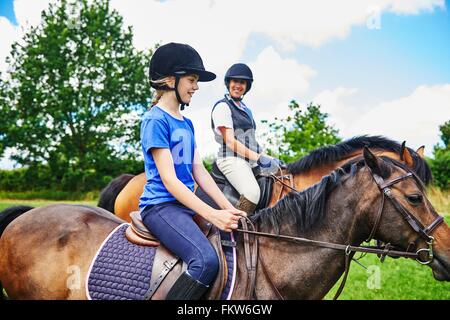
x: 172, y: 163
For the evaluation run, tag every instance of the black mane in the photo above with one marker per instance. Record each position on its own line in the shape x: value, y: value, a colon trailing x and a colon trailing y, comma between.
x: 306, y: 208
x: 332, y: 153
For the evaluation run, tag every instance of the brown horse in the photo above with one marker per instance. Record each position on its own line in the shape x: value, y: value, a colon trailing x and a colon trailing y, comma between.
x: 122, y: 195
x: 40, y: 247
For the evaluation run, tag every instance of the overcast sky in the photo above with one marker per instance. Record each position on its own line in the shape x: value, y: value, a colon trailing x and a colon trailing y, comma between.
x: 376, y: 69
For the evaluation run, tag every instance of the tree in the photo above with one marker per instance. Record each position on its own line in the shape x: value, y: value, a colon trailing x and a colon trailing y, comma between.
x: 3, y: 124
x: 298, y: 134
x: 440, y: 165
x: 75, y: 91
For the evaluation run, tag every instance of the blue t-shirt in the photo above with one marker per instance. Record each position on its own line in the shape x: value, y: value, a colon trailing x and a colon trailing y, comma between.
x: 161, y: 130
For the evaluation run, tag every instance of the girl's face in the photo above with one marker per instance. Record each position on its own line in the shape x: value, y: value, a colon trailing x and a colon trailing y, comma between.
x: 187, y: 87
x: 237, y: 88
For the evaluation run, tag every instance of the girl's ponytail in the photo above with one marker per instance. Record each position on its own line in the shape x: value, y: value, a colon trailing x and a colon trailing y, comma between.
x: 156, y: 96
x: 158, y: 93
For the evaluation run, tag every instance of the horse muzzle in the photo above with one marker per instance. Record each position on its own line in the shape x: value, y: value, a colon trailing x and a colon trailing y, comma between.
x: 440, y: 267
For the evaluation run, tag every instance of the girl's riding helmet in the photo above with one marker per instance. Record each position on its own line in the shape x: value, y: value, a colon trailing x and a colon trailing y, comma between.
x: 176, y: 59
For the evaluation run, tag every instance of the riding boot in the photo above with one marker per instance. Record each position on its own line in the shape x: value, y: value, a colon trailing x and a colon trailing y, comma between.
x: 186, y: 288
x: 246, y: 205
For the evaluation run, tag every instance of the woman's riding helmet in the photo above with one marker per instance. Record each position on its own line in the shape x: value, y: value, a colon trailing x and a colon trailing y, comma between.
x: 239, y: 71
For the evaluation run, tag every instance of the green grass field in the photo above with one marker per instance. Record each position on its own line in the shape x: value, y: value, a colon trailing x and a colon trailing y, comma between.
x: 395, y: 279
x: 6, y: 203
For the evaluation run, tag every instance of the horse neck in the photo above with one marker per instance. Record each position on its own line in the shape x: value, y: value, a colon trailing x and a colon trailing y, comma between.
x: 307, y: 178
x: 309, y: 272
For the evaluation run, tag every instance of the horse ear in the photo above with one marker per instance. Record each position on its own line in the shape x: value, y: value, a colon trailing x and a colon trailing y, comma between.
x: 408, y: 158
x: 421, y: 152
x: 402, y: 149
x: 405, y: 155
x: 372, y: 161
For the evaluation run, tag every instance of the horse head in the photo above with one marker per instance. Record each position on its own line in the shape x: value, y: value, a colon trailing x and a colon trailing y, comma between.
x: 404, y: 217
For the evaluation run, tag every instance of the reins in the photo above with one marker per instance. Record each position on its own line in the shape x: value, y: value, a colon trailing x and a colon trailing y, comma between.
x: 336, y: 246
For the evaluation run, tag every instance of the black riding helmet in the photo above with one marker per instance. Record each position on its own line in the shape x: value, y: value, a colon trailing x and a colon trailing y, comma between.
x: 176, y: 59
x: 239, y: 71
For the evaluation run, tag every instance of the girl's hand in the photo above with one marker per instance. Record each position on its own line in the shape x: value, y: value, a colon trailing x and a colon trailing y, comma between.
x: 227, y: 219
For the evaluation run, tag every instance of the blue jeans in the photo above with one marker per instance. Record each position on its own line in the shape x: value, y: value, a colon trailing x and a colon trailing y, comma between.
x: 172, y: 224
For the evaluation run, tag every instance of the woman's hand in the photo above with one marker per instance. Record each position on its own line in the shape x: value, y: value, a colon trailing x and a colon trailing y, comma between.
x: 270, y: 165
x: 227, y: 219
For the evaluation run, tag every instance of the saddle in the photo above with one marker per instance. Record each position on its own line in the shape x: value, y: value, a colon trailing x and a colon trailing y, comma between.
x: 265, y: 184
x: 167, y: 267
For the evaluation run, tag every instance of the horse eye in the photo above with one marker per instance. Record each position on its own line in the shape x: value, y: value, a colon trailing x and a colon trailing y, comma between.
x: 414, y: 199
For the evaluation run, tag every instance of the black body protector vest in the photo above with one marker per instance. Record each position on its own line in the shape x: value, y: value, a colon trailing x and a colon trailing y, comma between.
x: 244, y: 127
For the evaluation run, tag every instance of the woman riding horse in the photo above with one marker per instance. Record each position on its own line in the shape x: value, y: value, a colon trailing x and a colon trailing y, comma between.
x: 234, y: 130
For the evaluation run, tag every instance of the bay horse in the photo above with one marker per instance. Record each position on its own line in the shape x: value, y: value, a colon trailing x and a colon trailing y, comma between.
x: 388, y: 203
x: 121, y: 195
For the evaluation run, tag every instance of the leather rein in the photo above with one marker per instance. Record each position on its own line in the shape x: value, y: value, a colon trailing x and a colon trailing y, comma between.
x: 252, y: 255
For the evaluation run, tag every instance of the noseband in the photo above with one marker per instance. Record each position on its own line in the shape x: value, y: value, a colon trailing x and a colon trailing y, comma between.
x: 252, y: 255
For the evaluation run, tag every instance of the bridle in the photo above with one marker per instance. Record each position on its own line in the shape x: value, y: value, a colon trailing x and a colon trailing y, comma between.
x: 252, y: 254
x: 416, y: 225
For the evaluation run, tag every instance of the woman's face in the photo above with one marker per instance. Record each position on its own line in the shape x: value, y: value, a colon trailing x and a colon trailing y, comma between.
x: 237, y: 88
x: 187, y: 87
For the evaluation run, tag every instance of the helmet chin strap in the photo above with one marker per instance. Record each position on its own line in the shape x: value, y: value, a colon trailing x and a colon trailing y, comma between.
x: 236, y: 99
x: 177, y: 94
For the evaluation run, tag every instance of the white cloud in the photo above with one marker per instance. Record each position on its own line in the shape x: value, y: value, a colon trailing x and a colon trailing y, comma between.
x: 29, y: 11
x: 219, y: 29
x: 331, y: 102
x: 8, y: 34
x: 278, y: 80
x: 415, y: 6
x: 415, y: 118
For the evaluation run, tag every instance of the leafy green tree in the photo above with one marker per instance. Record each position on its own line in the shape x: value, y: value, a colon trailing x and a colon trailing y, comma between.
x: 75, y: 92
x: 3, y: 124
x: 440, y: 165
x: 445, y: 134
x: 298, y: 134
